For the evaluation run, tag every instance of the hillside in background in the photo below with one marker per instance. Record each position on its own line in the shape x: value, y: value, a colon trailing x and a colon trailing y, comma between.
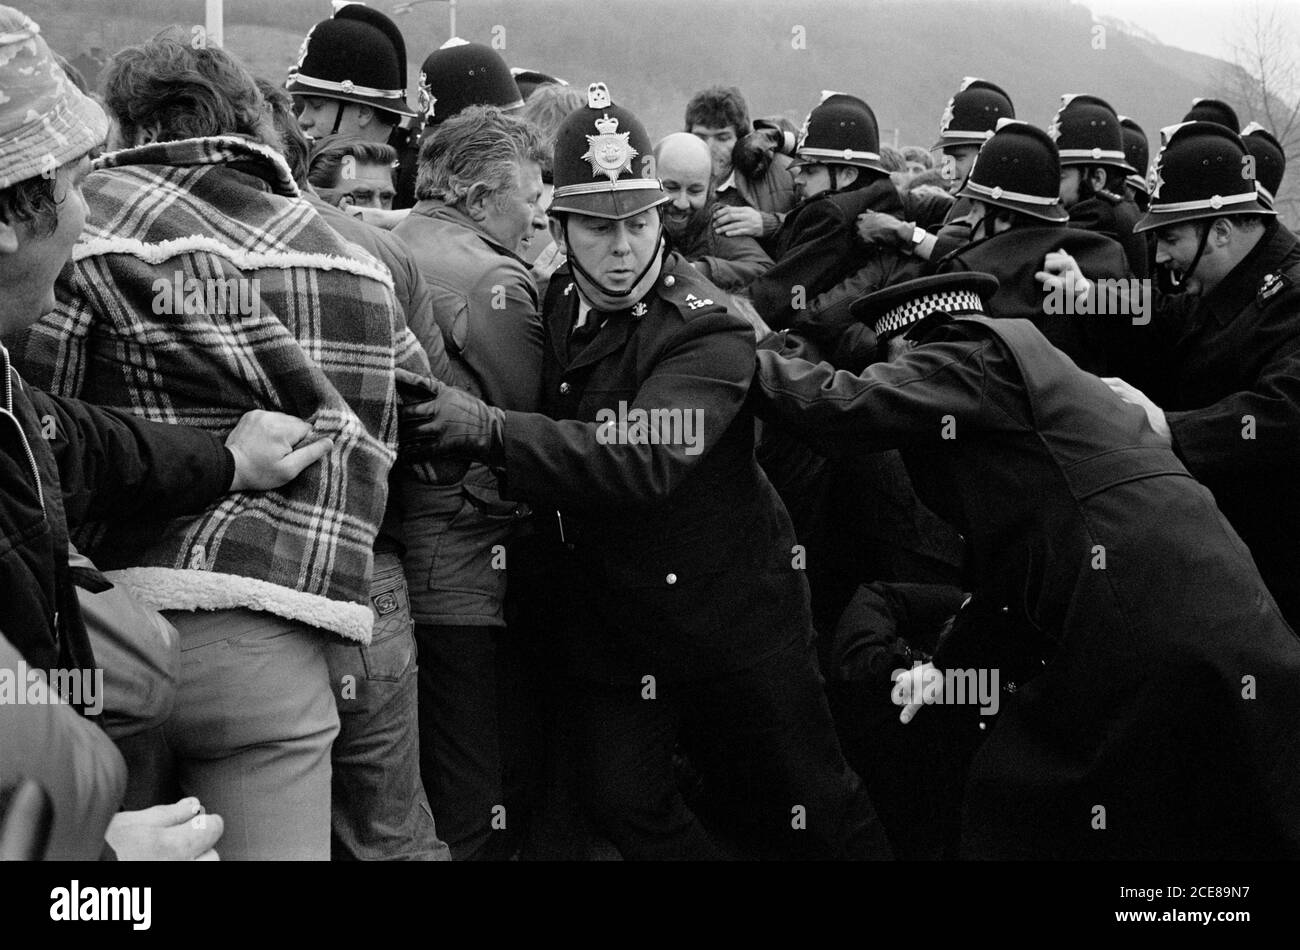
x: 905, y: 57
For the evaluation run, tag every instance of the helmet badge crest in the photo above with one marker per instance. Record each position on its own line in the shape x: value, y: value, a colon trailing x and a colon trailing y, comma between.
x: 610, y: 153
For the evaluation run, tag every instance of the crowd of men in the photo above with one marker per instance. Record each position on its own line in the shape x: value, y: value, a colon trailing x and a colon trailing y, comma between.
x: 489, y: 480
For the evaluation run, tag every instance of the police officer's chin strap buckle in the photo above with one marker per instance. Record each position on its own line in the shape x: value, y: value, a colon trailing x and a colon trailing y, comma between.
x: 660, y: 250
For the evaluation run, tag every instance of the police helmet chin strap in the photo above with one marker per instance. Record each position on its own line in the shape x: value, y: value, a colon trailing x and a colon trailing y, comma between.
x: 1200, y: 249
x: 660, y: 249
x: 338, y: 116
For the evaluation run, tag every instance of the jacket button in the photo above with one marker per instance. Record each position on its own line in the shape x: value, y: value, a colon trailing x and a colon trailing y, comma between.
x: 669, y: 280
x: 564, y: 389
x: 671, y: 578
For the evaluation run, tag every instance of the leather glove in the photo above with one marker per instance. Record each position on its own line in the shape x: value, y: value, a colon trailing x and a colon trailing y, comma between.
x: 752, y: 155
x: 452, y: 426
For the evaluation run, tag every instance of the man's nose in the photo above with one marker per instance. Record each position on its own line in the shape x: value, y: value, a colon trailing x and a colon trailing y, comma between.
x: 682, y: 203
x: 621, y: 245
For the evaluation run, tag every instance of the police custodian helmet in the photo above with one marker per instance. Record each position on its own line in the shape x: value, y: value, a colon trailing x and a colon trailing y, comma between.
x: 604, y: 161
x: 1270, y: 160
x: 1137, y: 152
x: 841, y: 130
x: 1018, y: 170
x: 1087, y: 131
x: 1201, y: 172
x: 458, y: 75
x: 358, y: 55
x: 972, y: 115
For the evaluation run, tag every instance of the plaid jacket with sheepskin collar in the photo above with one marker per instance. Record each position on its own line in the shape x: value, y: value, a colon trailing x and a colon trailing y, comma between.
x: 202, y: 287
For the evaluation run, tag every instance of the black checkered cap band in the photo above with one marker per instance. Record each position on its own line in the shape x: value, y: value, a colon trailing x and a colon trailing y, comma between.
x: 948, y: 301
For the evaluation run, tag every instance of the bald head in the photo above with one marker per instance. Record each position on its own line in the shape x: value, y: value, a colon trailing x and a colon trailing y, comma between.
x: 685, y: 167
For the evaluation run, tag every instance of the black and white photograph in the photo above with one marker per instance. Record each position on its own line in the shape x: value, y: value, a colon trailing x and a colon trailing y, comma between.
x: 571, y: 431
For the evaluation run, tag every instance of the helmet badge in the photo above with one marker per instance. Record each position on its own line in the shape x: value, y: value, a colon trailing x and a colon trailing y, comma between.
x: 610, y: 153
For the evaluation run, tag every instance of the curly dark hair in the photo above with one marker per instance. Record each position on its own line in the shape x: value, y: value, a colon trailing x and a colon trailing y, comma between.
x: 31, y: 202
x: 718, y: 107
x: 187, y: 92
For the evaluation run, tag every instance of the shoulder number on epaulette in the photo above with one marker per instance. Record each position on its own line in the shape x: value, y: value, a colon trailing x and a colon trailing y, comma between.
x: 695, y: 303
x: 1272, y: 284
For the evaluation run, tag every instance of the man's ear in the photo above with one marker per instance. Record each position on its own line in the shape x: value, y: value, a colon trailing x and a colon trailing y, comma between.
x: 8, y: 238
x: 847, y: 175
x: 1222, y: 230
x: 1097, y: 178
x: 476, y: 201
x: 365, y: 116
x: 557, y: 234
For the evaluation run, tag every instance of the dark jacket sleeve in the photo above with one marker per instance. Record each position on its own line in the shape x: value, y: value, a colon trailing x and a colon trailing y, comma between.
x: 928, y: 397
x: 114, y: 465
x: 816, y: 248
x: 707, y: 365
x: 1213, y: 441
x: 71, y: 758
x: 733, y: 262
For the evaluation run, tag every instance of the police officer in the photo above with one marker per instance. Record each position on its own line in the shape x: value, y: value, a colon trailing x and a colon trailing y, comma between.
x: 1137, y: 152
x: 1213, y: 110
x: 1116, y: 604
x: 1270, y: 160
x: 456, y: 75
x: 1221, y: 375
x: 968, y: 121
x: 350, y: 79
x: 679, y: 604
x: 1022, y: 238
x: 838, y: 175
x: 1090, y: 143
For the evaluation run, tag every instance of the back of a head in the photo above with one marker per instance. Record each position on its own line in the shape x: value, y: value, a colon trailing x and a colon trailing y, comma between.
x: 329, y: 158
x: 479, y: 145
x: 293, y: 144
x: 176, y: 91
x: 547, y: 108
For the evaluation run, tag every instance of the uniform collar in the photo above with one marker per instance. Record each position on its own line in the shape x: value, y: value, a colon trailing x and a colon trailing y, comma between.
x: 1243, y: 283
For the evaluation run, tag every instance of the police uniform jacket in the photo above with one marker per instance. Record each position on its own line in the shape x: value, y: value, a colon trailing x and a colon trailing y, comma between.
x: 817, y: 248
x: 1115, y: 596
x: 1016, y: 255
x: 664, y: 561
x: 1228, y: 378
x: 1115, y: 217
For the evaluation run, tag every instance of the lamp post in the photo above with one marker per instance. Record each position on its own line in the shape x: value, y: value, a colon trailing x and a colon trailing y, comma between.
x: 409, y: 5
x: 215, y: 22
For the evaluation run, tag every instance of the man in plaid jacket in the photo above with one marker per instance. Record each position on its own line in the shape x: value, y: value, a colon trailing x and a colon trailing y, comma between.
x: 203, y: 287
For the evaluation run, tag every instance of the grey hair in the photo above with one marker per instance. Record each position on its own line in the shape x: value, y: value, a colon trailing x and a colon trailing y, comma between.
x: 480, y: 145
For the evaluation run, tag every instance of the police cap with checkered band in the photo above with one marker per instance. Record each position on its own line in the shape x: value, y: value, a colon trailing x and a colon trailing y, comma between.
x: 899, y: 307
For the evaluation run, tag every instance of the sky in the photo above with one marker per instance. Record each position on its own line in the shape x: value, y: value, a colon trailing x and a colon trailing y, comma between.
x: 1203, y: 26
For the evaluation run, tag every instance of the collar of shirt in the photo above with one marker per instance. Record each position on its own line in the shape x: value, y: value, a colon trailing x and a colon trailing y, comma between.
x: 729, y: 182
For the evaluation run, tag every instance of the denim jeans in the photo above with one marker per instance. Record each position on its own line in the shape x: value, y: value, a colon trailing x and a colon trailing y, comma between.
x: 380, y: 811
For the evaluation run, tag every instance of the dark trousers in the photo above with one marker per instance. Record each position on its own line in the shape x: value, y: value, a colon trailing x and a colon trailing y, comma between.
x: 762, y: 740
x: 472, y: 713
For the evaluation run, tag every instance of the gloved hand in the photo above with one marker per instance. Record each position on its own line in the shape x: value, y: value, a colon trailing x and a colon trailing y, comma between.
x: 752, y: 155
x: 453, y: 425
